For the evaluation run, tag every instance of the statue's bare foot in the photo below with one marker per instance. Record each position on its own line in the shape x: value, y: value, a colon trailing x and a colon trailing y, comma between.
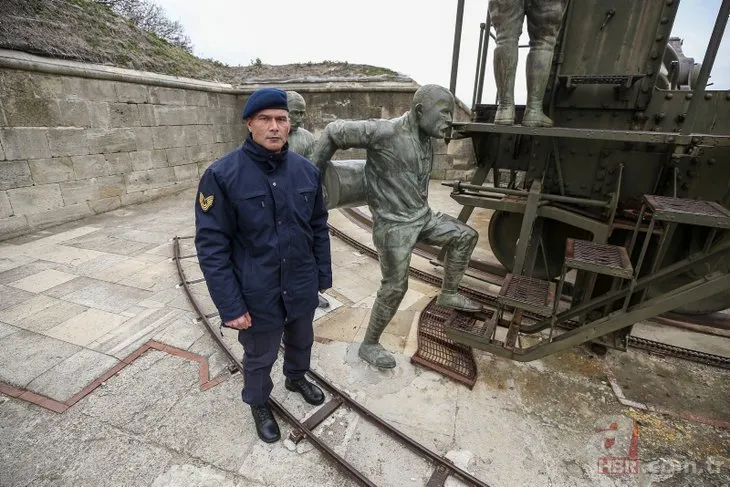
x: 458, y: 301
x: 535, y: 118
x: 375, y: 354
x: 505, y: 115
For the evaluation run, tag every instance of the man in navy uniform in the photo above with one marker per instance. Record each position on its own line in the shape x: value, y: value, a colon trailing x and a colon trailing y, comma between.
x: 263, y: 245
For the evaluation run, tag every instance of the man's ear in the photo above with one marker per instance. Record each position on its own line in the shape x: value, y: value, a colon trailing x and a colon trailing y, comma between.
x: 419, y: 110
x: 248, y: 124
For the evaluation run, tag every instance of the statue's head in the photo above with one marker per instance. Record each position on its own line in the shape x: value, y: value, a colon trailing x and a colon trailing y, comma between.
x: 297, y: 107
x: 433, y: 106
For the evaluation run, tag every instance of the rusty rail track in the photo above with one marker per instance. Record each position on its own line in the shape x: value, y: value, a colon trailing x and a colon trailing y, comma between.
x: 443, y: 468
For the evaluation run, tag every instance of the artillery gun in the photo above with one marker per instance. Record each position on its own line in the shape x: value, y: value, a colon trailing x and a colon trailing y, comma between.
x: 630, y: 188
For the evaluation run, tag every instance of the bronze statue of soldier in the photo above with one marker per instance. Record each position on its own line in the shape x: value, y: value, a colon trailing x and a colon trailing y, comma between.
x: 543, y: 24
x: 397, y: 172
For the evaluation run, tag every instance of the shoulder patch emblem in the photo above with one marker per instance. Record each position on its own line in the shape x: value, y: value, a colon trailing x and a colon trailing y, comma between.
x: 205, y: 202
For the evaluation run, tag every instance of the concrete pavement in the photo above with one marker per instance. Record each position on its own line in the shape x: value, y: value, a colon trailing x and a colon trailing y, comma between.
x: 133, y: 391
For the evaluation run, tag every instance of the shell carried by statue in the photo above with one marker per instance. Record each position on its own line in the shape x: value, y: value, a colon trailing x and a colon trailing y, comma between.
x: 344, y: 182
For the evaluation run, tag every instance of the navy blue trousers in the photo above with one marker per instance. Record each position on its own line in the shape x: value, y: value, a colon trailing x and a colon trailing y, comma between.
x: 261, y: 349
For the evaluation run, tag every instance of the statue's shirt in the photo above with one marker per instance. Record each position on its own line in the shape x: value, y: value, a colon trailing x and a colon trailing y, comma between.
x: 301, y: 141
x: 398, y: 165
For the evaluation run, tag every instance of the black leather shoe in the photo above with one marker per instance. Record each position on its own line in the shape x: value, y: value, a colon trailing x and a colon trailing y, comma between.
x: 311, y: 393
x: 266, y: 425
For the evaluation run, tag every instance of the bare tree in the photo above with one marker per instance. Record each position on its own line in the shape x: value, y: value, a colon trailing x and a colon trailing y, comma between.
x: 149, y: 16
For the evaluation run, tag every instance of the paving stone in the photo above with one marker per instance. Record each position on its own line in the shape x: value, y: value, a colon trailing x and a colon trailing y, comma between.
x: 114, y: 298
x: 37, y: 283
x: 194, y: 476
x: 86, y: 327
x: 16, y: 314
x: 72, y: 374
x: 12, y: 296
x: 51, y: 316
x: 26, y: 355
x: 181, y: 332
x: 6, y: 329
x: 28, y: 269
x: 124, y: 339
x: 109, y: 244
x: 65, y: 254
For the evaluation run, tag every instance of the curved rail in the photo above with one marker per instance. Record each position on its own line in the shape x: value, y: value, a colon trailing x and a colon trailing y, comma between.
x: 443, y: 466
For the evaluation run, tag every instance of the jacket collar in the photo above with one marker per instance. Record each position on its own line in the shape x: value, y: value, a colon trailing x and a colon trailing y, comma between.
x: 261, y: 155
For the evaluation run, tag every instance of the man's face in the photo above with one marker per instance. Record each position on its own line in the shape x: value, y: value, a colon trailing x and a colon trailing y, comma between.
x: 296, y: 114
x: 269, y: 128
x: 436, y: 117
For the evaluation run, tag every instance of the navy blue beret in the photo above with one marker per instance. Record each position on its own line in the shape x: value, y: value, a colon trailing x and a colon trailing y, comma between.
x: 263, y: 99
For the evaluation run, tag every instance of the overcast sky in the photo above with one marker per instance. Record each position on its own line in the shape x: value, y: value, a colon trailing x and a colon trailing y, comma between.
x: 413, y: 37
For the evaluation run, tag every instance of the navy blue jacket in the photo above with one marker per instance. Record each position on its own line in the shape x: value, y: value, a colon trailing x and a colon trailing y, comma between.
x: 261, y: 235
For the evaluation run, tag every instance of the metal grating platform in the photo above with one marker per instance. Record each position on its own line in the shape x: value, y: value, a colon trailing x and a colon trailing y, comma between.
x: 528, y: 294
x: 691, y: 212
x: 610, y: 260
x: 438, y: 352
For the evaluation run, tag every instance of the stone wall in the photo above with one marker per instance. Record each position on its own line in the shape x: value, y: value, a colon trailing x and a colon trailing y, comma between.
x: 78, y: 139
x: 72, y: 147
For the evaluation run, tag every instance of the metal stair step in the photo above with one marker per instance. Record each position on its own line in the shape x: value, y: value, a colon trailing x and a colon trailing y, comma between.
x: 687, y: 211
x: 527, y: 293
x: 610, y: 260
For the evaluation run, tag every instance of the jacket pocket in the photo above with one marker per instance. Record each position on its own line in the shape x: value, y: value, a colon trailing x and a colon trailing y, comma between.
x: 304, y: 203
x: 254, y: 209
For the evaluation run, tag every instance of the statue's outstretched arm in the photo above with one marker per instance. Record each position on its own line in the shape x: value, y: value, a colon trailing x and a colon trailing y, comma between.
x: 342, y: 134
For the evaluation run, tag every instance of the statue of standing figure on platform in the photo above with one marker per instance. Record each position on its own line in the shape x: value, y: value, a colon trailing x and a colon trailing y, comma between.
x: 543, y: 24
x: 396, y: 173
x: 301, y: 140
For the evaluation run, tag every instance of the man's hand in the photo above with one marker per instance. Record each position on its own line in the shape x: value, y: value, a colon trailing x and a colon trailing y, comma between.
x: 240, y: 323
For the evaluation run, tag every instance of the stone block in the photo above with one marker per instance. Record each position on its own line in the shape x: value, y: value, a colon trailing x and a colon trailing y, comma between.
x: 13, y: 226
x: 148, y: 159
x: 196, y: 98
x: 106, y: 204
x: 187, y: 172
x: 118, y: 163
x: 5, y: 209
x: 15, y: 174
x: 28, y: 111
x: 92, y: 189
x: 131, y: 93
x: 68, y: 142
x: 25, y: 143
x: 35, y: 198
x: 114, y: 140
x: 175, y: 115
x: 153, y: 178
x: 170, y: 136
x: 90, y: 166
x: 47, y: 86
x: 205, y: 115
x: 45, y: 171
x: 2, y: 152
x: 177, y: 156
x: 89, y: 89
x: 200, y: 153
x: 167, y: 96
x: 59, y: 215
x: 73, y: 114
x: 200, y: 134
x: 124, y: 115
x: 144, y: 138
x: 99, y: 115
x: 202, y: 166
x: 26, y: 355
x: 146, y: 115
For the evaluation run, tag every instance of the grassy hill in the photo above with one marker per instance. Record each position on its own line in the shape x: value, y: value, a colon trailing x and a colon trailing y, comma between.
x: 83, y: 30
